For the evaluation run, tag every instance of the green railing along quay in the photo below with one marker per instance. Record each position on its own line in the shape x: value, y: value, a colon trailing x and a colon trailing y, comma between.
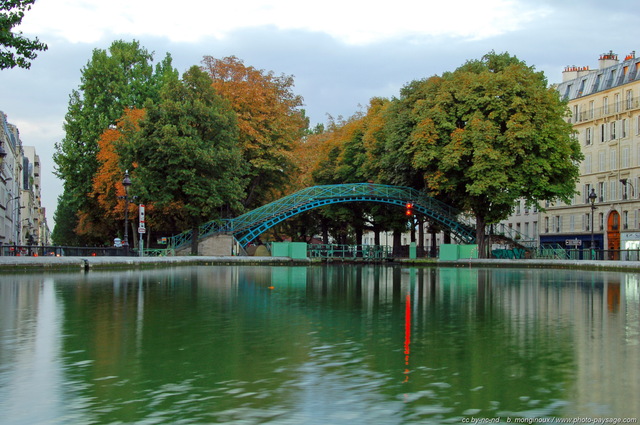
x: 249, y: 226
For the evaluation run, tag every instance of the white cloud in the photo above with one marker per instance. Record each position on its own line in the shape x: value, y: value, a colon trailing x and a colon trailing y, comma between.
x: 351, y: 21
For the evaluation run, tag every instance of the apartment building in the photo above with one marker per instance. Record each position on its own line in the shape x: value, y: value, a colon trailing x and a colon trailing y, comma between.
x: 22, y: 217
x: 605, y: 112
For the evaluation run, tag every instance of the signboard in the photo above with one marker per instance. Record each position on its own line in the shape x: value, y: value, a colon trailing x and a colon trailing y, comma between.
x: 141, y: 217
x: 141, y: 229
x: 573, y: 242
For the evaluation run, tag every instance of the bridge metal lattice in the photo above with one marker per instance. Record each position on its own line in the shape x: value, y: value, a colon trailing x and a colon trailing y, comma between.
x: 249, y: 226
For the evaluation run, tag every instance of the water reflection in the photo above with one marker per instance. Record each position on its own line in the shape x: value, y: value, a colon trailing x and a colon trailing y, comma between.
x: 341, y: 344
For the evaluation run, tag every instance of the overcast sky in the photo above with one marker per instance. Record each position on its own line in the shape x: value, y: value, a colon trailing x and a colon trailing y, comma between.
x: 340, y: 52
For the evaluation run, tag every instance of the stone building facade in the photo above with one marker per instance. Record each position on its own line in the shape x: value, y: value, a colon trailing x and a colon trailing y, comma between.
x: 22, y: 217
x: 605, y: 113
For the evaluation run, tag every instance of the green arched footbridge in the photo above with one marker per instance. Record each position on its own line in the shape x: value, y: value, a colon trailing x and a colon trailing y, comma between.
x: 249, y: 226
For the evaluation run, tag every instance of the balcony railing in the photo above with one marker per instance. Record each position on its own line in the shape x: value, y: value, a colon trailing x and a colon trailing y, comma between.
x: 606, y: 111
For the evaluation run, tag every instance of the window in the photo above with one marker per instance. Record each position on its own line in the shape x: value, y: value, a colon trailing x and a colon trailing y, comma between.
x: 614, y: 187
x: 613, y: 159
x: 585, y: 192
x: 601, y: 221
x: 587, y: 136
x: 581, y: 89
x: 546, y: 224
x: 572, y: 223
x: 612, y: 78
x: 616, y: 103
x: 623, y: 129
x: 596, y: 85
x: 625, y: 219
x: 602, y: 161
x: 526, y: 229
x: 535, y: 228
x: 625, y: 157
x: 625, y: 189
x: 602, y: 191
x: 603, y: 133
x: 558, y: 223
x: 592, y: 109
x: 605, y: 105
x: 629, y: 99
x: 587, y: 163
x: 587, y: 221
x: 612, y: 130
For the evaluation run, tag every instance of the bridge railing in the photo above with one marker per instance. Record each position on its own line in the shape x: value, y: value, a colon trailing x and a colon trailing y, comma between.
x: 509, y: 232
x: 365, y: 252
x: 252, y: 223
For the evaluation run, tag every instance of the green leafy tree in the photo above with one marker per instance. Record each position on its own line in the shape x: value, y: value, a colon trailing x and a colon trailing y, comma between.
x: 112, y: 81
x: 492, y: 132
x: 64, y: 231
x: 16, y: 49
x: 187, y: 154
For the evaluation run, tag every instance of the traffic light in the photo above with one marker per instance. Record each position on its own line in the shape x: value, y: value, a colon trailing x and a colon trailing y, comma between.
x: 409, y: 209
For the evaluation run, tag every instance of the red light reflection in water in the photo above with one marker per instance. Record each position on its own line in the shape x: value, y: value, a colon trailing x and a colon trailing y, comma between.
x: 407, y: 336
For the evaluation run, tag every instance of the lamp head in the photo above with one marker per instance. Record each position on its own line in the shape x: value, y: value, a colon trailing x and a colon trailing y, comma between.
x: 593, y: 196
x: 126, y: 182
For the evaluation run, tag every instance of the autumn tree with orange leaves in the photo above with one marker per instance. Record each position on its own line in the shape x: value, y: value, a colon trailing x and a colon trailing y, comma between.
x: 269, y: 119
x: 107, y: 183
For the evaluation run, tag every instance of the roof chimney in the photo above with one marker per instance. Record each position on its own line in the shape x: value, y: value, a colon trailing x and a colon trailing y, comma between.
x: 573, y: 72
x: 607, y: 59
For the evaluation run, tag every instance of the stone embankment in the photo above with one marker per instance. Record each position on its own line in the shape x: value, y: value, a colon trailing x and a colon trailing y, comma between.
x: 89, y: 263
x: 12, y: 264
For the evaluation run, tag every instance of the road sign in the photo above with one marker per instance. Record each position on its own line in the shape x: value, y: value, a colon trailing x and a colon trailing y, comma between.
x: 141, y: 215
x: 142, y: 229
x: 573, y: 242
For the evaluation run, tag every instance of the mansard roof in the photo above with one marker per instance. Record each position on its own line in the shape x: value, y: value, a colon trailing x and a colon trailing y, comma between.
x: 598, y: 80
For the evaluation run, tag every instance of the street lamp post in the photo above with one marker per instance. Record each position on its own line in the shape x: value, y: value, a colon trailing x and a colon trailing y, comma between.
x: 624, y: 183
x: 126, y: 182
x: 592, y: 199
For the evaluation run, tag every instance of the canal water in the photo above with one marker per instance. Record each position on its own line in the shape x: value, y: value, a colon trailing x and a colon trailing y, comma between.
x: 318, y: 345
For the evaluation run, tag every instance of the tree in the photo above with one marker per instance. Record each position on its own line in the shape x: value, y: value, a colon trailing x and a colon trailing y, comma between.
x: 186, y: 154
x: 492, y: 132
x: 122, y: 77
x: 269, y: 118
x: 15, y: 49
x: 108, y: 190
x: 66, y: 221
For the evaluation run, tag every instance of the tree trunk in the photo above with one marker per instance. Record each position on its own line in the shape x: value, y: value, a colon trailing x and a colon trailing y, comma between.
x: 412, y: 223
x: 195, y: 235
x: 421, y: 234
x: 359, y: 234
x: 434, y: 245
x: 376, y: 237
x: 480, y: 237
x: 397, y: 243
x: 325, y: 232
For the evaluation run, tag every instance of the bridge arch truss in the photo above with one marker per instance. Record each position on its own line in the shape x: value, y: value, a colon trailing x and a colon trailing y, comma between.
x: 252, y: 224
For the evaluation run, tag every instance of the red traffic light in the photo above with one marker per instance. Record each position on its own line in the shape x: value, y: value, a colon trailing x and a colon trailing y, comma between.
x: 409, y: 210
